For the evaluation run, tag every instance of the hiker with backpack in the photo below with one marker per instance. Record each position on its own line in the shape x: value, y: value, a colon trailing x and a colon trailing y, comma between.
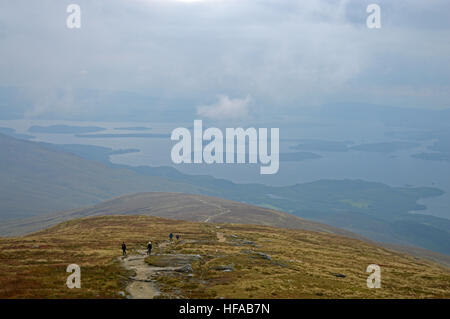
x: 124, y: 249
x: 149, y: 248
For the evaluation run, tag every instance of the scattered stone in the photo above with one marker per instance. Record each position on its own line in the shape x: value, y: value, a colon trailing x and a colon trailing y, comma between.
x: 234, y: 236
x: 248, y: 242
x: 264, y: 256
x: 185, y: 268
x: 122, y: 293
x: 280, y: 264
x: 340, y: 275
x: 227, y: 268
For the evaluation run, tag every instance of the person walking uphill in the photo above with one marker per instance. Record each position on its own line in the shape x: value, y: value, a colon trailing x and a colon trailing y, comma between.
x: 124, y: 249
x: 149, y: 248
x: 171, y: 236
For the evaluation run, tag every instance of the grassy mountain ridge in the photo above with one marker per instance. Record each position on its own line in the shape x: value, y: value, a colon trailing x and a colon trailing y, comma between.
x: 250, y: 262
x: 189, y: 207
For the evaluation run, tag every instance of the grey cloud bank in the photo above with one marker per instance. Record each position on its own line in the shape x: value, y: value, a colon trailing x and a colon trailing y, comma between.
x: 175, y: 58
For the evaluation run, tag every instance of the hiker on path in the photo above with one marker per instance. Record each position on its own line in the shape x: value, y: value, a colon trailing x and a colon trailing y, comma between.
x: 171, y: 236
x: 178, y: 237
x: 124, y: 249
x: 149, y: 248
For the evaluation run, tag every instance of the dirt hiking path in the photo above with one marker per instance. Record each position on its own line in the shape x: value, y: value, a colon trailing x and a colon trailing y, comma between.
x: 142, y: 286
x: 221, y: 238
x: 222, y: 210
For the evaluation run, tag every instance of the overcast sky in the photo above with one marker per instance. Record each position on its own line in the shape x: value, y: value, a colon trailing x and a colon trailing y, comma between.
x: 222, y: 58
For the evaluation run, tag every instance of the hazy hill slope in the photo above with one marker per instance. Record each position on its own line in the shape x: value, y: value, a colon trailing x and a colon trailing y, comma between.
x: 177, y: 206
x: 37, y: 179
x: 40, y: 178
x: 266, y: 262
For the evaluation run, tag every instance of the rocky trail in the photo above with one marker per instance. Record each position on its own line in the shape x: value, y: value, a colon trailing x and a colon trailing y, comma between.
x: 143, y: 284
x: 221, y: 238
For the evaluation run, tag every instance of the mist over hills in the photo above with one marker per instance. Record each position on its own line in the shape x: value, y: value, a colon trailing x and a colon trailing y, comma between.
x: 36, y: 178
x: 41, y: 178
x: 98, y: 97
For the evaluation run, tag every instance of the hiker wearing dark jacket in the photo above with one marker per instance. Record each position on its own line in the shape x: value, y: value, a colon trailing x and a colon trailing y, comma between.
x: 149, y: 248
x: 124, y: 249
x: 171, y: 236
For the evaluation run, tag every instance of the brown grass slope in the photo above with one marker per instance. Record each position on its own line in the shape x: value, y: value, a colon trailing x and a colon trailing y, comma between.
x: 197, y: 208
x: 37, y: 179
x: 180, y: 206
x: 303, y: 264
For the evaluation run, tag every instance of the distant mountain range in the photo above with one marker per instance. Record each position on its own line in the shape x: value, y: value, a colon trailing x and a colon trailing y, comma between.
x: 41, y: 178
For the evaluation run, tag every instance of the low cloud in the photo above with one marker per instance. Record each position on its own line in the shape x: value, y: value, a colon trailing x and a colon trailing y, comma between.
x: 176, y: 55
x: 226, y: 109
